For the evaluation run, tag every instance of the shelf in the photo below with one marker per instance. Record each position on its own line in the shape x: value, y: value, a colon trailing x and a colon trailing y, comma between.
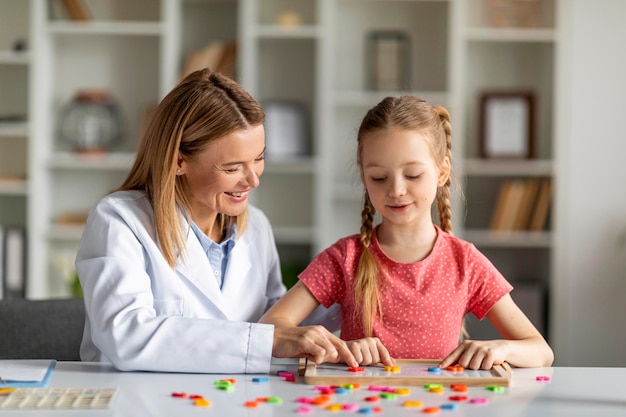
x: 68, y: 233
x: 106, y: 28
x: 13, y: 187
x: 508, y: 239
x: 288, y: 32
x: 14, y: 58
x: 504, y: 167
x: 114, y: 161
x: 368, y: 99
x: 510, y: 35
x: 13, y: 129
x: 283, y: 234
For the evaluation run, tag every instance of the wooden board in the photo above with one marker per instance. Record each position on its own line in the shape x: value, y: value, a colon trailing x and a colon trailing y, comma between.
x: 412, y: 372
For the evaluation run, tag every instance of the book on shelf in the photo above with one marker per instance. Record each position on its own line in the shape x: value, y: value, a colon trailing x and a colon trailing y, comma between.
x: 500, y: 207
x: 542, y: 206
x: 76, y: 10
x: 508, y: 204
x: 2, y: 280
x: 520, y: 205
x: 524, y: 211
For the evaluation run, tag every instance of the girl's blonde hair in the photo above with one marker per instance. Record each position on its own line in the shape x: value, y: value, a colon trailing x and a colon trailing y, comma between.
x: 433, y: 122
x: 203, y: 107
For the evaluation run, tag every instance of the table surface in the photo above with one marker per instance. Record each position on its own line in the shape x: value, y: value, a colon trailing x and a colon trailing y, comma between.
x: 589, y: 392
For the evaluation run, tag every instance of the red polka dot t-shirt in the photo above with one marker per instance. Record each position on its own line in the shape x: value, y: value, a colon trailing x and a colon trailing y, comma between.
x: 423, y: 302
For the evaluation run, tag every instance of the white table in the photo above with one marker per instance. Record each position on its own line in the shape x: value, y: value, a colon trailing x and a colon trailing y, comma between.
x: 588, y: 392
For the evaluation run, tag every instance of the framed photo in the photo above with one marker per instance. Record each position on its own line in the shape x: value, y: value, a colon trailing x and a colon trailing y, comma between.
x: 388, y: 60
x: 507, y: 125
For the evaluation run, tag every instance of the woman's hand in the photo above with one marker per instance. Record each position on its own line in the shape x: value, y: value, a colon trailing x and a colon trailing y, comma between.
x: 370, y: 351
x: 478, y: 354
x: 315, y: 343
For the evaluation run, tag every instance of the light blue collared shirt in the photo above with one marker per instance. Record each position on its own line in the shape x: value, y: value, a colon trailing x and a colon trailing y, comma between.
x: 217, y: 253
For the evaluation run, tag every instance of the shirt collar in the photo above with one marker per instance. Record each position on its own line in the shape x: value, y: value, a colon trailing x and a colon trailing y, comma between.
x: 227, y: 244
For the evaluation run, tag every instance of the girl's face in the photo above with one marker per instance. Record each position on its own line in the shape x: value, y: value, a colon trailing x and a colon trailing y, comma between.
x: 400, y: 175
x: 220, y: 177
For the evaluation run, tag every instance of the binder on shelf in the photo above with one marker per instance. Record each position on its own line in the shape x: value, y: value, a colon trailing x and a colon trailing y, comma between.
x: 2, y: 280
x: 500, y: 207
x: 529, y: 193
x: 513, y: 195
x: 26, y: 372
x: 13, y: 272
x: 521, y: 205
x: 542, y: 206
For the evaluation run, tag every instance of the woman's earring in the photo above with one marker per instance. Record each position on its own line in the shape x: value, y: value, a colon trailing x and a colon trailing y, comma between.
x: 178, y: 172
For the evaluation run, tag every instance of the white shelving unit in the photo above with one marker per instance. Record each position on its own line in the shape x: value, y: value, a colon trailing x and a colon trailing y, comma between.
x: 14, y: 112
x: 15, y: 117
x: 122, y: 49
x: 281, y: 63
x: 511, y: 57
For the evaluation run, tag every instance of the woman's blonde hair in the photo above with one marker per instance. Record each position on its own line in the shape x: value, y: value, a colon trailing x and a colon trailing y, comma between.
x: 433, y: 122
x: 203, y: 107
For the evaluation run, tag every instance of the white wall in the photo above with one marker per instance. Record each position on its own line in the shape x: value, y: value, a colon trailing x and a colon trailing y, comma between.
x: 590, y: 264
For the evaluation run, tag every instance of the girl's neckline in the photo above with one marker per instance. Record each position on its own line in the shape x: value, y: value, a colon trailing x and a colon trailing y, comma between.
x: 389, y: 259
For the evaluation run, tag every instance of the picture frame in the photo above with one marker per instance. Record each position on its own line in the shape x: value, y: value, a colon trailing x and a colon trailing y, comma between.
x: 507, y: 124
x: 388, y: 60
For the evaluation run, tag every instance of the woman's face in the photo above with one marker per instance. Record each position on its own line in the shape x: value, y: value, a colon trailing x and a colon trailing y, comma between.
x: 219, y: 179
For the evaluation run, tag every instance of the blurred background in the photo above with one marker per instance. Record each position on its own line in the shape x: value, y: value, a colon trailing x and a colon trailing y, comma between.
x: 532, y: 87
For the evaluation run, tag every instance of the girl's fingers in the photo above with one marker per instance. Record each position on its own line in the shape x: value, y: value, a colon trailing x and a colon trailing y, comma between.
x: 384, y: 355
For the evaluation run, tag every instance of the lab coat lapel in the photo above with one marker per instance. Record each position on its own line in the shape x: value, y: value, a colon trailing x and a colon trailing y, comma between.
x: 238, y: 269
x: 197, y: 269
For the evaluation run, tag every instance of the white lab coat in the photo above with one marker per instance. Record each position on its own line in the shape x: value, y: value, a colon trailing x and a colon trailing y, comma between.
x: 144, y: 315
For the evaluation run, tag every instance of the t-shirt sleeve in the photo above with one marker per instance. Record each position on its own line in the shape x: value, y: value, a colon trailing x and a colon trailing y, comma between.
x: 324, y: 276
x: 486, y: 284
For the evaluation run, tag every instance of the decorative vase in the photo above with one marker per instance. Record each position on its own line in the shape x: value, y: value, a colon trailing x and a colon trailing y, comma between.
x: 91, y: 122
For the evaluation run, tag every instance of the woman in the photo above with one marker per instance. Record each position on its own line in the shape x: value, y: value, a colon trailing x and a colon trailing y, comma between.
x: 174, y: 264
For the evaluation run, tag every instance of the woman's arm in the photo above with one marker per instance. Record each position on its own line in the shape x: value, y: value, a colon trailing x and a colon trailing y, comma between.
x: 522, y: 346
x: 313, y: 342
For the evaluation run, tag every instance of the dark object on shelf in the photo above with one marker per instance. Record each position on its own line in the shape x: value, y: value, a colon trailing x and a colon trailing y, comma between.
x: 91, y: 122
x: 507, y: 125
x: 388, y: 61
x: 12, y: 118
x: 19, y: 45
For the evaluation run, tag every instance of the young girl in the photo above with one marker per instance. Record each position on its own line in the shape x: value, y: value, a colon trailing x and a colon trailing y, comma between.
x: 407, y: 282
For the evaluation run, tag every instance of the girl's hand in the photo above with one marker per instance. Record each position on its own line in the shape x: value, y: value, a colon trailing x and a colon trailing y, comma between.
x: 478, y: 354
x: 522, y: 345
x: 370, y: 351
